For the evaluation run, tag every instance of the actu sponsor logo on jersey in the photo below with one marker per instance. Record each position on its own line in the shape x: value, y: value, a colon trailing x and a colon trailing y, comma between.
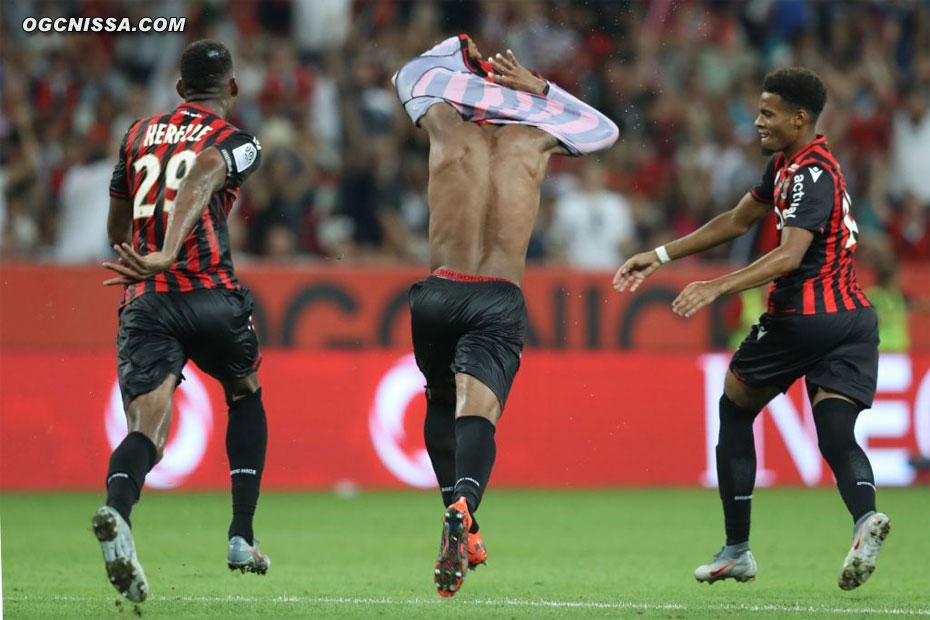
x: 797, y: 194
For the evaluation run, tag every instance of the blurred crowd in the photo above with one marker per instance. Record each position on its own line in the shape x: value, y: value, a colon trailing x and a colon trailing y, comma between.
x: 344, y: 173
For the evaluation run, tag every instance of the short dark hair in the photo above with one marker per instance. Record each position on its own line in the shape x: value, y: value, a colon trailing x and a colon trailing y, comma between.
x: 799, y: 87
x: 205, y: 65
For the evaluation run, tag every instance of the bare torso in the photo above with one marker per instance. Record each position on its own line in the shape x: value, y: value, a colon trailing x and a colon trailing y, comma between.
x: 483, y: 193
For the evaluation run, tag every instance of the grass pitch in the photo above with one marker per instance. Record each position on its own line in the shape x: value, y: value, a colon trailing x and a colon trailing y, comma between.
x: 617, y: 553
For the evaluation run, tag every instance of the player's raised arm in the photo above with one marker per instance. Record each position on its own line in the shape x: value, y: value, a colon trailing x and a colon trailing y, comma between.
x: 721, y: 229
x: 206, y: 176
x: 586, y: 129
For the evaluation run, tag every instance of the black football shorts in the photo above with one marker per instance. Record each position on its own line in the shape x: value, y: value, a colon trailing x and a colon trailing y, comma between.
x: 837, y: 352
x: 471, y: 327
x: 159, y: 332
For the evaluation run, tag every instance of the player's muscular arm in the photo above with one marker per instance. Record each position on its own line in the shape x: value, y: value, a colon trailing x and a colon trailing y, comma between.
x: 510, y: 73
x: 207, y: 175
x: 721, y: 229
x: 783, y: 259
x: 119, y: 221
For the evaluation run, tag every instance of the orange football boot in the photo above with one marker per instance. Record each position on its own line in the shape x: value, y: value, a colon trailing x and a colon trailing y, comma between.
x: 452, y: 563
x: 477, y: 552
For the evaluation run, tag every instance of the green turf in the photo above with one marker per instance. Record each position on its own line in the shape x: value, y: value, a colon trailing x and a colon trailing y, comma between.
x: 371, y: 556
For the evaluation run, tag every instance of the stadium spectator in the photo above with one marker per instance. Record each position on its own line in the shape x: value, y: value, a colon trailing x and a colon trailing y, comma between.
x: 678, y: 79
x: 593, y: 227
x: 85, y: 201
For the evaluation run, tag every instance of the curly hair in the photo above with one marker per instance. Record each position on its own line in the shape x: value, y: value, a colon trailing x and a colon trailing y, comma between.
x: 799, y: 87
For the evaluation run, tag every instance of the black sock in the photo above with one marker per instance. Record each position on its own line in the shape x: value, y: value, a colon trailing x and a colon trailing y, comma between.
x: 736, y: 468
x: 133, y: 458
x: 836, y: 419
x: 439, y: 435
x: 474, y: 457
x: 246, y: 440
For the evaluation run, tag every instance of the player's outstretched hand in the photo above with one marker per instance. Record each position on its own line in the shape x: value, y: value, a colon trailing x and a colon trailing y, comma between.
x: 510, y: 73
x: 134, y: 267
x: 694, y: 297
x: 636, y: 269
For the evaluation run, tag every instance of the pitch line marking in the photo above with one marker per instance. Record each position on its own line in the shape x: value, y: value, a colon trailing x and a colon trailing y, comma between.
x: 507, y: 602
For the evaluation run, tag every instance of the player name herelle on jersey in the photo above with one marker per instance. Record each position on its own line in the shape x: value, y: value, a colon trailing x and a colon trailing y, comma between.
x: 164, y: 133
x: 155, y: 155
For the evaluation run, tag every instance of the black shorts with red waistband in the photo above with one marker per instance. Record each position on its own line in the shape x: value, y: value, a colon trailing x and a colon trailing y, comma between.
x: 837, y: 351
x: 159, y: 332
x: 468, y: 324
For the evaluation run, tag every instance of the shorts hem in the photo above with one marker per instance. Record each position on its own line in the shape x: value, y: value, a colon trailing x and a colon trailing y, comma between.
x: 501, y: 399
x: 130, y: 394
x: 781, y: 386
x: 864, y: 401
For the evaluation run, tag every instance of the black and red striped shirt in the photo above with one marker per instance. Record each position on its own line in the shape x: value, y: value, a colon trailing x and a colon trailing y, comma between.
x: 808, y: 191
x: 155, y: 155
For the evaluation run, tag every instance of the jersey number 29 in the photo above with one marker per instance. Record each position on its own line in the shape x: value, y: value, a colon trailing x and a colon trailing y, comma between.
x: 174, y: 171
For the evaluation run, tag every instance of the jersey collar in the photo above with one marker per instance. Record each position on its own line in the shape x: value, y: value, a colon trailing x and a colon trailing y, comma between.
x: 196, y: 106
x: 819, y: 139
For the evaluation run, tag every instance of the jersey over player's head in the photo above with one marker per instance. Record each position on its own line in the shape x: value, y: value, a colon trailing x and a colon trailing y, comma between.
x: 207, y: 72
x: 792, y: 100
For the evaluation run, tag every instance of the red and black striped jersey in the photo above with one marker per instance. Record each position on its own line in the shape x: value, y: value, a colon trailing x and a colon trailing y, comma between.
x: 154, y: 156
x: 808, y: 191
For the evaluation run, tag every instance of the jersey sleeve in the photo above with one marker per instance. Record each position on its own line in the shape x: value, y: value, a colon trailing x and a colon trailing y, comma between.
x: 764, y: 190
x: 119, y: 183
x: 243, y: 154
x: 810, y: 198
x: 587, y: 131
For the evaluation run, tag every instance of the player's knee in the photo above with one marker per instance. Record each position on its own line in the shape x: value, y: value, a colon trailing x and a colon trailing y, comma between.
x: 241, y: 388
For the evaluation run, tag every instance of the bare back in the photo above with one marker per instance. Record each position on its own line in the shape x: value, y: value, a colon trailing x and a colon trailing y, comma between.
x: 483, y: 193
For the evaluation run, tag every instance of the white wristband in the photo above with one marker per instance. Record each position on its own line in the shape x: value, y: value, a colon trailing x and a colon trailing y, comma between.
x: 662, y: 254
